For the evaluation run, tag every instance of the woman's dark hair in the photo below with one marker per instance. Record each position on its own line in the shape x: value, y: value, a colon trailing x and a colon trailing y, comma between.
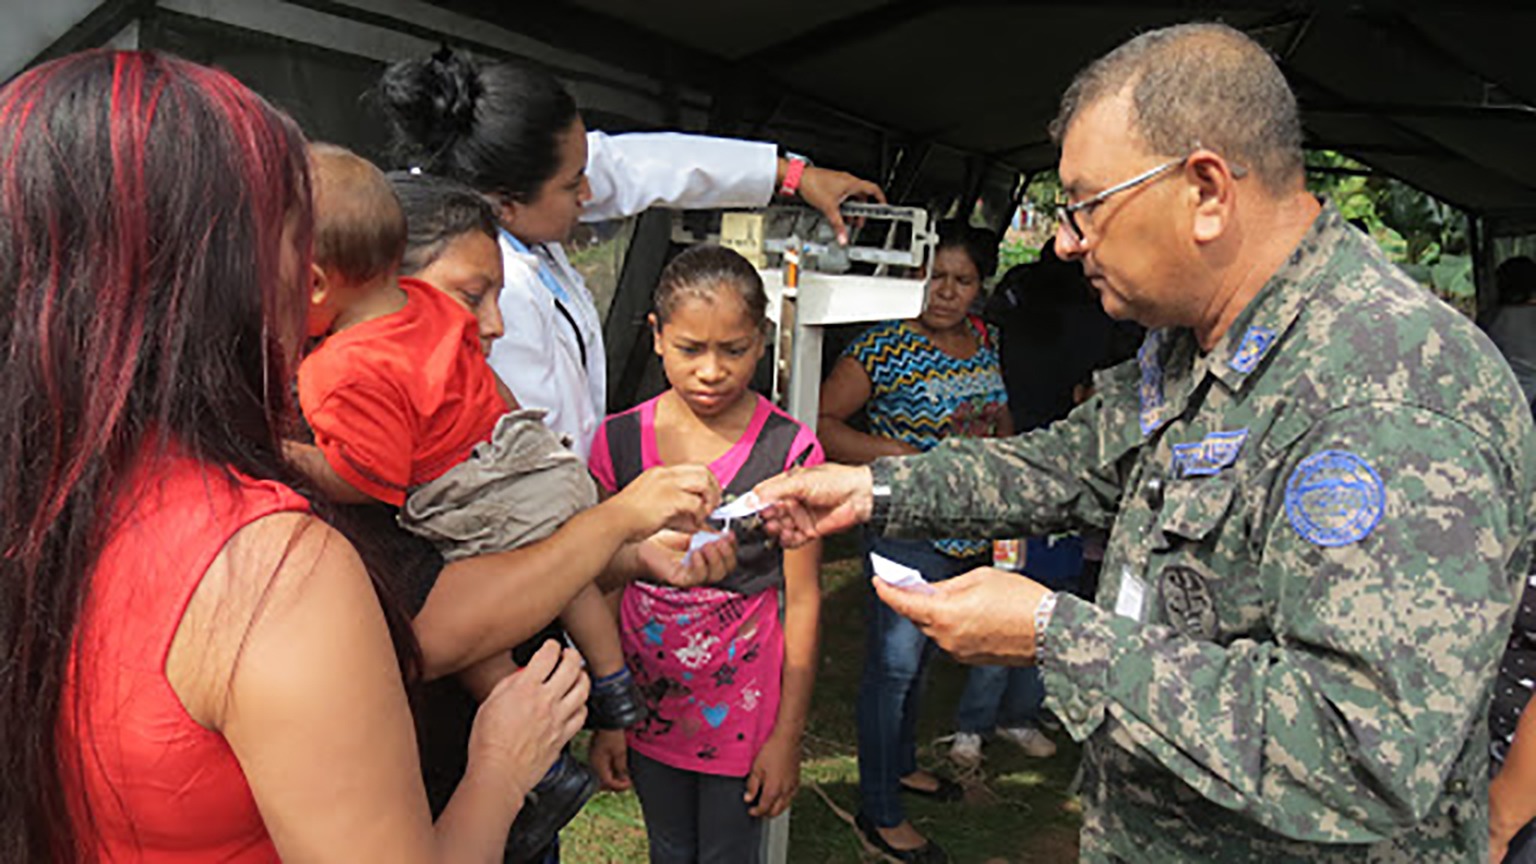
x: 496, y: 127
x: 700, y: 272
x: 145, y: 204
x: 437, y: 210
x: 1516, y: 280
x: 979, y: 244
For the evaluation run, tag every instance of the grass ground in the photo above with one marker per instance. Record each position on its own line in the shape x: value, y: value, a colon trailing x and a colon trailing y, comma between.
x: 1017, y: 810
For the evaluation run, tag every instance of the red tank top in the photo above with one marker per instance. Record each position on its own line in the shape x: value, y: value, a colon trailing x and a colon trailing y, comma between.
x: 159, y: 787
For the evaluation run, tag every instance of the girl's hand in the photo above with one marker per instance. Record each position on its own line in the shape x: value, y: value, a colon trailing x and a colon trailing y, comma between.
x: 530, y: 715
x: 775, y: 776
x: 663, y: 555
x: 677, y: 497
x: 609, y: 756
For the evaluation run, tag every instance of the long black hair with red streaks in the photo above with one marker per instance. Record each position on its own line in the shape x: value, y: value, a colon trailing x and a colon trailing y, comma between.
x: 155, y: 223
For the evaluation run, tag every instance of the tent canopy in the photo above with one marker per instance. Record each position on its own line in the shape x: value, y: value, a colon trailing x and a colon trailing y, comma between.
x: 936, y: 99
x: 1436, y: 93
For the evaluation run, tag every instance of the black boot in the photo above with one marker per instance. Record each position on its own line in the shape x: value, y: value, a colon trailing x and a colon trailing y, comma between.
x: 615, y: 702
x: 549, y: 807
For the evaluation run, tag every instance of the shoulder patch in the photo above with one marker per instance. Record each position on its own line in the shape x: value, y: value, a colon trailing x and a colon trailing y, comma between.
x: 1151, y: 389
x: 1334, y: 498
x: 1251, y: 350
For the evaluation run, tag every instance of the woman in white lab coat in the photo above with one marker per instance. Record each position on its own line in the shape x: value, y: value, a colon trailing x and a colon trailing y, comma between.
x: 513, y: 132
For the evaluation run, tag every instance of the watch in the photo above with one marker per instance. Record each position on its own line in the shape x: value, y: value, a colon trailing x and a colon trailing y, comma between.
x: 1043, y: 613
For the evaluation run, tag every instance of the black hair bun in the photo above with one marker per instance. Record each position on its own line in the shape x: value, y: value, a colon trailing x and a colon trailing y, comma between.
x: 495, y: 126
x: 430, y: 101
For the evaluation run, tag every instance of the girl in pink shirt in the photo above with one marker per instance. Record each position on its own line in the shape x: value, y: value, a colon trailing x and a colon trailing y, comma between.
x: 726, y: 670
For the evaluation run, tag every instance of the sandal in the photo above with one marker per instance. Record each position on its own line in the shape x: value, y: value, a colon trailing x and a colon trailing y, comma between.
x: 947, y: 790
x: 928, y: 853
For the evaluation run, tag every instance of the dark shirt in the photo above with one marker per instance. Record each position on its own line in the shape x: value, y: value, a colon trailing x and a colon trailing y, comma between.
x: 445, y: 712
x: 1517, y: 677
x: 1054, y: 335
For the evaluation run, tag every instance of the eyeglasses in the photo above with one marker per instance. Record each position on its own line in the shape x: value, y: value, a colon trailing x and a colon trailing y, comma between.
x: 1066, y: 214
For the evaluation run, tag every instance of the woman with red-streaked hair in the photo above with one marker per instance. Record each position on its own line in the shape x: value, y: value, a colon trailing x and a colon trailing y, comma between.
x: 193, y: 666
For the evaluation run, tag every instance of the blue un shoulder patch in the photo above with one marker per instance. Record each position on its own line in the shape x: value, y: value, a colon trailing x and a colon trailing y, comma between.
x: 1252, y: 349
x: 1334, y: 498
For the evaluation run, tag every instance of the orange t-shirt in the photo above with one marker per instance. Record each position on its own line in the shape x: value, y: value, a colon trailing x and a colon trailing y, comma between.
x: 396, y: 401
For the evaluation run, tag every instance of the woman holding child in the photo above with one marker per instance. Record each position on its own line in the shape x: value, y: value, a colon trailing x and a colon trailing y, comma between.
x: 919, y: 381
x: 405, y: 412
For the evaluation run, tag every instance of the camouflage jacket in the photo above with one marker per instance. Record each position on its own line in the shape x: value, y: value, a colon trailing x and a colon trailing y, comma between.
x: 1317, y: 533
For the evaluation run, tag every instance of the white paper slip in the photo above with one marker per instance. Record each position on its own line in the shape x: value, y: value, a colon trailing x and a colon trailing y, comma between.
x: 742, y: 507
x: 899, y: 575
x: 699, y: 540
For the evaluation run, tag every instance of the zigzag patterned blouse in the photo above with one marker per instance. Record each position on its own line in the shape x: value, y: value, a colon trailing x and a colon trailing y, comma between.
x: 921, y: 395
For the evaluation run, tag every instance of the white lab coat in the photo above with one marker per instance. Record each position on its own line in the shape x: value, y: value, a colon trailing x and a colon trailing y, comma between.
x: 539, y: 357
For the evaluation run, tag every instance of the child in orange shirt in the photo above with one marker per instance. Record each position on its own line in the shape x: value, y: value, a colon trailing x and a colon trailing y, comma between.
x: 406, y: 411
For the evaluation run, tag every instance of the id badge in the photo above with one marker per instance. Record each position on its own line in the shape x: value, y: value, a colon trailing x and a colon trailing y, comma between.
x: 1133, y: 596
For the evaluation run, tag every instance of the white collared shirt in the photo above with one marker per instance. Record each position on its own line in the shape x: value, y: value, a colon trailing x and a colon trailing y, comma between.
x: 540, y: 357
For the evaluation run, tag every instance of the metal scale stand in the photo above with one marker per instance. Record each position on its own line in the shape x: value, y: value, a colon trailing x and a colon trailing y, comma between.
x: 803, y: 300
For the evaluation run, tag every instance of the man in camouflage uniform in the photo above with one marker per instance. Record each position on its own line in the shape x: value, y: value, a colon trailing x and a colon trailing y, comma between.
x: 1319, y: 480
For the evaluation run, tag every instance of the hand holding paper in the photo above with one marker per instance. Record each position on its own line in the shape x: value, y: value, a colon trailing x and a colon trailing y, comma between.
x: 986, y: 616
x: 744, y: 507
x: 740, y: 508
x: 681, y: 561
x: 899, y: 575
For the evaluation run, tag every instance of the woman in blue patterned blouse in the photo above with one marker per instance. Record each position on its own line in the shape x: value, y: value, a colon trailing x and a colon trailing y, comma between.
x: 919, y: 382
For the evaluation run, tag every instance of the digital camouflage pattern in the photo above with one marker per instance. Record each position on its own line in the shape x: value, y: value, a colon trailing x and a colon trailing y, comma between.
x: 1330, y: 515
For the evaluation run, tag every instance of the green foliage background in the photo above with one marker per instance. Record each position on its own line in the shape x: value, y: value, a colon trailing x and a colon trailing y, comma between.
x: 1426, y: 237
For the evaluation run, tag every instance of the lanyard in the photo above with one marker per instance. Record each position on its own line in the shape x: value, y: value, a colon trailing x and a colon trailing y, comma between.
x: 556, y: 290
x: 546, y: 275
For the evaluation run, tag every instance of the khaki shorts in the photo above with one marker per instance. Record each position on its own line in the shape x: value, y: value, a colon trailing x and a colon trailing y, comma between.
x: 517, y: 488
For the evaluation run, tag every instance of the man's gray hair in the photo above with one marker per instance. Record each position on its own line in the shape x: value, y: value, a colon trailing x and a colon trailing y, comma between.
x: 1199, y: 83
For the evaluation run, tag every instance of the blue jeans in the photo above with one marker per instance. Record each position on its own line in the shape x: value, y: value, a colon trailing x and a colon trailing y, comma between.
x: 895, y: 655
x: 1000, y: 696
x: 1007, y: 696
